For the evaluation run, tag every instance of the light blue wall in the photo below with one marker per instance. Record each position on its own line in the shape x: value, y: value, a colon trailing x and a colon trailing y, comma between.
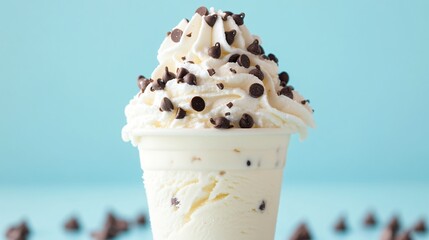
x: 68, y: 68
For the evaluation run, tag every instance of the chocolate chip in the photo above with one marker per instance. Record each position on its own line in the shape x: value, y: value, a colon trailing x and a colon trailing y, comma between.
x: 256, y: 90
x: 211, y: 20
x: 229, y: 36
x: 142, y: 83
x: 167, y: 75
x: 262, y: 206
x: 176, y: 34
x: 301, y: 233
x: 181, y: 72
x: 211, y: 71
x: 370, y: 220
x: 72, y: 224
x: 420, y: 226
x: 262, y: 49
x: 166, y: 105
x: 239, y: 18
x: 305, y: 101
x: 394, y: 224
x: 387, y: 234
x: 198, y: 104
x: 229, y: 105
x: 244, y: 61
x: 104, y: 234
x: 287, y: 91
x: 226, y: 15
x: 220, y: 122
x: 232, y: 70
x: 191, y: 62
x: 190, y: 79
x: 255, y: 48
x: 187, y: 20
x: 227, y: 113
x: 220, y: 86
x: 189, y: 35
x: 183, y: 58
x: 141, y: 219
x: 246, y: 121
x: 263, y: 56
x: 234, y: 57
x: 404, y: 236
x: 203, y: 11
x: 248, y: 163
x: 18, y: 232
x: 215, y: 51
x: 168, y: 33
x: 180, y: 113
x: 174, y: 202
x: 284, y: 79
x: 257, y: 73
x: 157, y: 85
x: 273, y: 57
x: 340, y: 225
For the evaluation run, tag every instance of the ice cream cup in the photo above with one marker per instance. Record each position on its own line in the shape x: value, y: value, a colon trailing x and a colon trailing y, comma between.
x: 213, y: 184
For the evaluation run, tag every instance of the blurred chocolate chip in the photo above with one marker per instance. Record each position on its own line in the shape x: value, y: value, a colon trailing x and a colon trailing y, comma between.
x: 232, y: 70
x: 246, y: 121
x: 143, y: 82
x: 168, y: 33
x: 190, y: 79
x: 226, y: 15
x: 284, y: 79
x: 305, y: 101
x: 340, y: 225
x: 176, y: 35
x: 394, y: 224
x: 220, y: 86
x: 198, y: 104
x: 72, y: 224
x: 18, y: 232
x: 262, y: 205
x: 255, y: 48
x: 211, y: 19
x: 420, y: 226
x: 104, y: 234
x: 181, y: 72
x: 180, y: 113
x: 256, y: 90
x: 273, y: 57
x: 183, y: 58
x: 404, y: 236
x: 211, y: 71
x: 370, y: 220
x: 244, y: 61
x: 238, y: 18
x: 203, y: 11
x: 257, y: 73
x: 227, y: 114
x: 215, y: 51
x: 234, y: 57
x: 167, y: 75
x: 287, y: 91
x: 141, y: 219
x: 166, y: 105
x: 174, y: 201
x: 387, y: 234
x: 229, y: 105
x: 191, y: 62
x: 189, y: 34
x: 301, y: 233
x: 229, y: 36
x: 220, y: 122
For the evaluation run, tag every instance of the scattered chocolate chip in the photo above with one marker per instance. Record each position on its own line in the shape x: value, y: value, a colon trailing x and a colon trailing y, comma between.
x: 157, y: 85
x: 404, y: 236
x: 72, y: 224
x: 229, y: 36
x: 167, y: 75
x: 198, y: 104
x: 203, y: 11
x: 232, y: 70
x: 18, y: 232
x: 142, y: 83
x: 174, y: 201
x: 255, y: 48
x: 273, y: 57
x: 220, y: 122
x: 248, y: 163
x: 168, y: 33
x: 370, y: 220
x: 287, y: 91
x: 183, y: 58
x: 238, y: 18
x: 394, y: 224
x: 226, y: 15
x: 211, y: 71
x: 220, y: 86
x: 222, y: 173
x: 257, y: 73
x: 387, y: 234
x: 301, y: 233
x: 215, y: 51
x: 190, y: 79
x: 263, y: 56
x: 234, y: 57
x: 262, y: 205
x: 191, y: 62
x: 227, y: 114
x: 305, y: 101
x: 114, y: 224
x: 340, y: 225
x: 181, y: 72
x: 180, y: 113
x: 176, y: 35
x: 420, y: 226
x: 141, y: 219
x: 211, y: 19
x: 284, y: 79
x: 244, y: 61
x: 229, y: 105
x: 256, y: 90
x: 246, y: 121
x: 189, y: 35
x: 166, y: 105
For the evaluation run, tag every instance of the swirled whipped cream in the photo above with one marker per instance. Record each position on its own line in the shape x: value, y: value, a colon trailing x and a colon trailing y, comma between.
x: 213, y: 73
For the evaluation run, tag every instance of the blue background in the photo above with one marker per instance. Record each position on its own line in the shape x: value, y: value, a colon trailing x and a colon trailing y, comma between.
x: 68, y: 68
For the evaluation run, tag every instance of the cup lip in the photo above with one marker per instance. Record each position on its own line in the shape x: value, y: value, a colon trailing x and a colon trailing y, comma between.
x: 211, y: 132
